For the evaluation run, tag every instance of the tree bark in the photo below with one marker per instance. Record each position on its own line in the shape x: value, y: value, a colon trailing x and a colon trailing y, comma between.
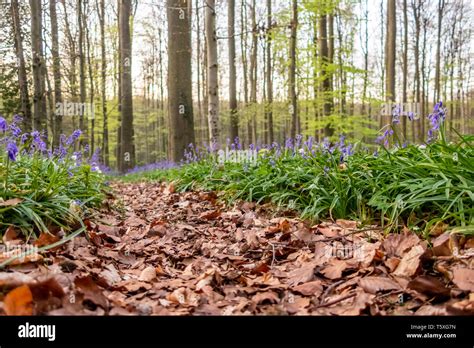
x: 180, y: 102
x: 103, y: 75
x: 22, y: 76
x: 39, y: 98
x: 269, y: 106
x: 127, y: 136
x: 234, y: 120
x: 212, y: 71
x: 292, y: 71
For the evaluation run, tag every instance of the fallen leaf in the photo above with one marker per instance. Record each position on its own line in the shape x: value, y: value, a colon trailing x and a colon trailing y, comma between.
x: 210, y: 215
x: 398, y: 244
x: 266, y: 297
x: 19, y: 301
x: 10, y: 234
x: 334, y: 269
x: 302, y: 274
x: 91, y: 291
x: 11, y: 202
x: 313, y: 288
x: 348, y: 224
x: 430, y: 286
x: 410, y: 263
x: 148, y: 274
x: 463, y: 278
x: 431, y: 310
x: 441, y: 245
x: 464, y: 307
x: 374, y: 284
x: 45, y: 238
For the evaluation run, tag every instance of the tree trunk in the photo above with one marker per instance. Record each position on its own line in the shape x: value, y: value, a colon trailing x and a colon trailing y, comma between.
x: 405, y: 65
x: 234, y: 120
x: 57, y: 117
x: 22, y: 76
x: 39, y: 98
x: 127, y: 147
x: 82, y: 73
x: 390, y: 51
x: 269, y: 106
x: 103, y: 74
x: 212, y: 69
x: 180, y: 102
x: 326, y: 84
x: 292, y: 71
x: 441, y: 4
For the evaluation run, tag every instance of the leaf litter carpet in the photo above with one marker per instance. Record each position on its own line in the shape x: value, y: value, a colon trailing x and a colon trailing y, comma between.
x: 153, y: 251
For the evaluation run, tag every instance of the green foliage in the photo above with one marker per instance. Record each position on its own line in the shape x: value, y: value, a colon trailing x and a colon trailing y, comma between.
x: 40, y: 192
x: 415, y: 186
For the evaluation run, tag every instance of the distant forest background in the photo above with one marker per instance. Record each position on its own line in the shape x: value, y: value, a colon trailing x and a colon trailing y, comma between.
x: 159, y: 75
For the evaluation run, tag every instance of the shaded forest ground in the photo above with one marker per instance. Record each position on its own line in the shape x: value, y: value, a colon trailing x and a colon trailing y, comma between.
x: 153, y: 251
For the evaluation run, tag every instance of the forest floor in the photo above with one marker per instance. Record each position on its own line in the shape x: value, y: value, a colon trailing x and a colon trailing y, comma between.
x: 153, y: 251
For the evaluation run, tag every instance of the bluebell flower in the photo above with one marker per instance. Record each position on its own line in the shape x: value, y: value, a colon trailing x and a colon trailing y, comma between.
x: 3, y: 124
x: 12, y: 150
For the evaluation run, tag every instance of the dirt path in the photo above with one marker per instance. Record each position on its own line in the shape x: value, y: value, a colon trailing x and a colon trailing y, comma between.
x: 157, y: 252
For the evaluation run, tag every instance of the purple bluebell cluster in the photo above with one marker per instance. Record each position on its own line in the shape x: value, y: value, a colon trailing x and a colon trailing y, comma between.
x: 15, y: 141
x: 436, y: 118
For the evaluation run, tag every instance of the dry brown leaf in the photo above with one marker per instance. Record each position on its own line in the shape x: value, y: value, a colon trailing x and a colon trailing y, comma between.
x: 430, y: 286
x: 302, y: 274
x: 464, y: 307
x: 410, y: 263
x: 148, y: 274
x: 463, y: 278
x: 210, y: 215
x: 313, y: 288
x: 441, y: 245
x: 19, y: 301
x: 91, y: 291
x: 266, y: 297
x: 398, y: 244
x: 11, y: 202
x: 349, y: 224
x: 45, y: 238
x: 335, y: 268
x: 373, y: 284
x: 10, y: 234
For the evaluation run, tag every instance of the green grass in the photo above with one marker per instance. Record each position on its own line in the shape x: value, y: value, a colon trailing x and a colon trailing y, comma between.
x: 411, y: 186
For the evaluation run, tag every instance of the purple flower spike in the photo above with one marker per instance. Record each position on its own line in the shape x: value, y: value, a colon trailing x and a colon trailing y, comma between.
x: 3, y: 124
x: 12, y: 151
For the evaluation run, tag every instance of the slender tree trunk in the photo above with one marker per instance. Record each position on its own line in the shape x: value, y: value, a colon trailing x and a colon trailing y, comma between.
x: 128, y: 148
x: 405, y: 64
x: 212, y: 68
x: 326, y: 86
x: 82, y: 73
x: 22, y: 76
x: 243, y: 46
x: 103, y: 75
x: 39, y: 98
x: 253, y: 72
x: 200, y: 117
x: 441, y: 4
x: 269, y: 105
x: 417, y: 124
x: 57, y: 117
x: 234, y: 120
x: 180, y: 102
x: 292, y: 71
x: 91, y: 87
x: 390, y: 51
